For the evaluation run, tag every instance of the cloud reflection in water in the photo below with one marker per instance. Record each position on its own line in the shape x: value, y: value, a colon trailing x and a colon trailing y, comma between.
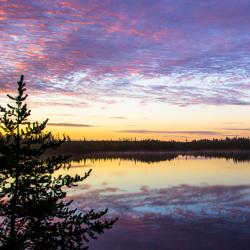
x: 180, y: 217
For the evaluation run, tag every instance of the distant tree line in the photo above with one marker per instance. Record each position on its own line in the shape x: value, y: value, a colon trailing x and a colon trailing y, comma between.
x: 227, y: 144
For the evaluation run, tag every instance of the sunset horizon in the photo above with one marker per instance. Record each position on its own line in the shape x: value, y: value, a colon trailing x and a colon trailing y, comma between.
x: 108, y: 70
x: 125, y: 124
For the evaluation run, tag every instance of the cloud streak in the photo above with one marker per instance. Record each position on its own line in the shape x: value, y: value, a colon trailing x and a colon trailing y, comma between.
x: 237, y: 129
x: 117, y: 117
x: 62, y: 124
x: 144, y: 131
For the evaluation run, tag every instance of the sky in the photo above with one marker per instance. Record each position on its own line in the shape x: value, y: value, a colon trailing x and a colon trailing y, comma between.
x: 165, y: 69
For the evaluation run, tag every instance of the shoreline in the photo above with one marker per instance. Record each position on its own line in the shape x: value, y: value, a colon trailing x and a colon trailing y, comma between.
x: 156, y: 156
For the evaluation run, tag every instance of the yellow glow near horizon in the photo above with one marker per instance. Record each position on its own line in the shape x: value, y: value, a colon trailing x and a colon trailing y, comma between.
x: 131, y: 119
x: 176, y: 123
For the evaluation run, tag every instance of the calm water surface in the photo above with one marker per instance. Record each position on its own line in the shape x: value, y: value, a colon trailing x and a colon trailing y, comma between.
x: 185, y: 203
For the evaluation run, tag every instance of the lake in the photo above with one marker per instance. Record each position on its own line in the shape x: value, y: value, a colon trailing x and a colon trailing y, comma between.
x: 181, y: 202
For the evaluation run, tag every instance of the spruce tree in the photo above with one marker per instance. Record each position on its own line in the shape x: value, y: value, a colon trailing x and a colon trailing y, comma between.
x: 34, y: 213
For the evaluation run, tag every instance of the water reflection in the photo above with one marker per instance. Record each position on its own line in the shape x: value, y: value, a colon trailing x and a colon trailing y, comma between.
x: 152, y: 157
x: 188, y: 202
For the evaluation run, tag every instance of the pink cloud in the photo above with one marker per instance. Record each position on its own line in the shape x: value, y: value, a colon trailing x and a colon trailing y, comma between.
x: 122, y: 39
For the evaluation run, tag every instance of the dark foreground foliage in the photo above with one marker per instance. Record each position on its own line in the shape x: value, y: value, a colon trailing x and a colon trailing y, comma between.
x: 33, y: 211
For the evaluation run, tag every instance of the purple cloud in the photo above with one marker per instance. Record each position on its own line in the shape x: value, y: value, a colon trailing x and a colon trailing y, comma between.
x: 96, y: 49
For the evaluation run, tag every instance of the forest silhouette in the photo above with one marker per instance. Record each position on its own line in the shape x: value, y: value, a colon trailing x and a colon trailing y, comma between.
x: 227, y: 144
x: 155, y: 157
x: 33, y: 211
x: 237, y: 149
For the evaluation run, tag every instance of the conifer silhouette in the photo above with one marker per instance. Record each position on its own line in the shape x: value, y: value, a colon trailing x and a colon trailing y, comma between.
x: 33, y: 211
